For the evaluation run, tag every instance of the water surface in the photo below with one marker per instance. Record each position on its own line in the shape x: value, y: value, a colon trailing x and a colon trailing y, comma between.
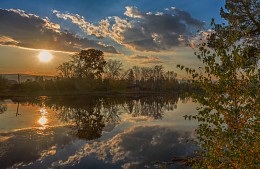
x: 94, y: 132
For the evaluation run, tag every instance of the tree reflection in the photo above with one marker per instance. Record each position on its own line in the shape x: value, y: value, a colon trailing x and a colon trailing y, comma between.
x: 17, y: 109
x: 88, y: 116
x: 3, y: 107
x: 89, y: 124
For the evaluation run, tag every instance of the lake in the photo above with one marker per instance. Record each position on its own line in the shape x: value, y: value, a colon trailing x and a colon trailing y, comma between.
x: 95, y: 132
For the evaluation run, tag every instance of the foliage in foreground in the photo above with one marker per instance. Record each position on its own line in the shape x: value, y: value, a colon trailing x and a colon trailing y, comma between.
x: 229, y: 116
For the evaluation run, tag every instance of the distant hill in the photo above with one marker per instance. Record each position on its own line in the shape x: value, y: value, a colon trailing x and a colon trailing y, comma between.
x: 24, y: 77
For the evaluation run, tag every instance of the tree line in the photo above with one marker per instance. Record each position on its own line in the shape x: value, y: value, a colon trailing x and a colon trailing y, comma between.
x: 90, y: 65
x: 87, y: 70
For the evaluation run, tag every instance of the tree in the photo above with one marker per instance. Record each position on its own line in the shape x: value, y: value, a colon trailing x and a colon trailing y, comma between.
x: 88, y: 63
x: 93, y: 62
x: 3, y: 84
x: 137, y: 72
x: 131, y: 77
x: 158, y: 76
x: 65, y: 70
x: 170, y: 76
x: 113, y: 68
x: 243, y: 15
x: 228, y: 132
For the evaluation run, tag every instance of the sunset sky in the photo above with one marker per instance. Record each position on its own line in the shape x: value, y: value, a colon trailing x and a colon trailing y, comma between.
x: 137, y: 32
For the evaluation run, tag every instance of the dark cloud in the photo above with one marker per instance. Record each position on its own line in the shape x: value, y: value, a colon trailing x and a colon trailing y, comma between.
x: 157, y: 31
x: 142, y: 31
x: 31, y: 31
x: 16, y: 152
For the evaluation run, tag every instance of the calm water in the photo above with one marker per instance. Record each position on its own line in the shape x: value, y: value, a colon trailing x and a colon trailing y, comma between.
x: 94, y: 132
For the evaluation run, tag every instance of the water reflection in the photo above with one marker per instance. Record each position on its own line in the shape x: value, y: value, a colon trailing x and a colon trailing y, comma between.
x: 137, y: 147
x: 88, y: 116
x: 43, y: 111
x: 3, y: 107
x: 17, y: 109
x: 43, y: 119
x: 111, y: 132
x: 27, y: 146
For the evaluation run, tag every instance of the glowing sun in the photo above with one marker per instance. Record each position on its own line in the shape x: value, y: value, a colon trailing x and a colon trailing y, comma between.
x: 45, y: 56
x: 42, y: 120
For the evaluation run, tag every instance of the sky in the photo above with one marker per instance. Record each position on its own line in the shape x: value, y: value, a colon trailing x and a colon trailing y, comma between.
x: 136, y: 32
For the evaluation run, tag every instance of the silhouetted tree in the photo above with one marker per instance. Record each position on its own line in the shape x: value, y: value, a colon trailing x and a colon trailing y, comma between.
x: 113, y: 69
x: 3, y: 84
x: 65, y: 70
x: 88, y: 63
x: 131, y: 77
x: 137, y: 73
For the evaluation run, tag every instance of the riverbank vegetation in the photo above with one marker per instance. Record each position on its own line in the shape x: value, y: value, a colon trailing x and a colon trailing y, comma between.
x: 229, y: 115
x: 88, y: 71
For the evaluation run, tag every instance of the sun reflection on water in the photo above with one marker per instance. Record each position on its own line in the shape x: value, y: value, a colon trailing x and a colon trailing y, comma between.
x: 43, y: 119
x: 43, y: 111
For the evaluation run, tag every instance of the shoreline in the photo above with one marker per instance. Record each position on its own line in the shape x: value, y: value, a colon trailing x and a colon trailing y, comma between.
x: 90, y: 93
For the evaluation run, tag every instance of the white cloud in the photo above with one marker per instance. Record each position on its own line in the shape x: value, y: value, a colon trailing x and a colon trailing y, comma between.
x: 100, y: 30
x: 133, y: 12
x: 200, y: 37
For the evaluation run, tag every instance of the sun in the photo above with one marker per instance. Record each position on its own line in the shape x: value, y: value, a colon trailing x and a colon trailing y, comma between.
x: 43, y: 120
x: 45, y: 56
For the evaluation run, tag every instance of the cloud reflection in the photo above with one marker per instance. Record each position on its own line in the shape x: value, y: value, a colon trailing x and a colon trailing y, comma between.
x: 27, y: 147
x: 136, y: 147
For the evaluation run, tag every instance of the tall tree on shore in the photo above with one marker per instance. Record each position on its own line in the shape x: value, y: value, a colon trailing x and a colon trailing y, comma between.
x: 88, y: 63
x: 65, y: 70
x: 113, y: 69
x: 3, y: 84
x: 130, y: 77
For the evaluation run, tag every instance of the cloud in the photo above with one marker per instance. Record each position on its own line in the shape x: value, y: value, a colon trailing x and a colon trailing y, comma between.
x: 135, y: 147
x: 90, y: 29
x: 200, y: 37
x: 5, y: 40
x: 144, y: 59
x: 133, y: 12
x: 21, y: 29
x: 36, y: 151
x: 155, y: 31
x: 160, y: 31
